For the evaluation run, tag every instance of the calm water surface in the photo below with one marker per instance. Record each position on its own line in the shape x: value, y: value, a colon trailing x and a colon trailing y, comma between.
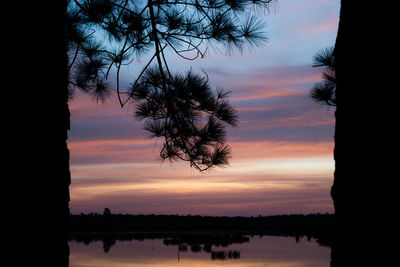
x: 273, y: 251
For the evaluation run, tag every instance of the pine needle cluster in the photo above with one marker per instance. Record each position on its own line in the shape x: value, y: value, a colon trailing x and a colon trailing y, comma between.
x: 108, y: 34
x: 325, y: 92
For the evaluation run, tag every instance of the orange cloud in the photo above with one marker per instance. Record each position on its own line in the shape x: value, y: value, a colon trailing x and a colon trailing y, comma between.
x: 272, y: 83
x: 310, y: 118
x: 265, y: 176
x: 107, y: 145
x: 113, y: 151
x: 212, y: 196
x: 269, y: 149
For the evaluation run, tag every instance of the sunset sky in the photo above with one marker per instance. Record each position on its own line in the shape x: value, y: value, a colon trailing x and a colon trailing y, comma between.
x: 282, y: 150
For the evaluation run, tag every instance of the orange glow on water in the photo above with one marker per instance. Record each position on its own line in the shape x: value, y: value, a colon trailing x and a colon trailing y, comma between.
x: 259, y: 251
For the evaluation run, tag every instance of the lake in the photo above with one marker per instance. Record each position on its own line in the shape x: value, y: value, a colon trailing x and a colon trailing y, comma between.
x: 199, y: 250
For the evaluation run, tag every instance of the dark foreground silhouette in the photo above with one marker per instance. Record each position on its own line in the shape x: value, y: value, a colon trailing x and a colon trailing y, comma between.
x: 197, y: 231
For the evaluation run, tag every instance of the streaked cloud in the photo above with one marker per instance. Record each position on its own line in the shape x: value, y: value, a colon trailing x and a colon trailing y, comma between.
x: 245, y: 197
x: 281, y: 150
x: 278, y: 152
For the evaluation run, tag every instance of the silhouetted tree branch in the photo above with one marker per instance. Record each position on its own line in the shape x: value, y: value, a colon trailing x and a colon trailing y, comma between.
x: 180, y: 108
x: 178, y: 115
x: 325, y: 92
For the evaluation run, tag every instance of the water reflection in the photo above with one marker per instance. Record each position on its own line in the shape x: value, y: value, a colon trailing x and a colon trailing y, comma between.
x: 206, y: 242
x: 198, y: 250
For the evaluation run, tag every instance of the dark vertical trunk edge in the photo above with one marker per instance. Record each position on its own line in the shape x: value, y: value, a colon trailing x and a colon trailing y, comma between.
x: 38, y: 123
x: 366, y: 135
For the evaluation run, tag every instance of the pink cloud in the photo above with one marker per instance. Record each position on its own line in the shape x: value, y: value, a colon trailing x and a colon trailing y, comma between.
x: 282, y: 149
x: 325, y: 26
x: 268, y: 149
x: 309, y: 118
x: 113, y: 164
x: 272, y: 82
x: 264, y: 199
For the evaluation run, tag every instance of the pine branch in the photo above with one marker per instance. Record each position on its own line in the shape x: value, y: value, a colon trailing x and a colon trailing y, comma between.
x: 182, y: 109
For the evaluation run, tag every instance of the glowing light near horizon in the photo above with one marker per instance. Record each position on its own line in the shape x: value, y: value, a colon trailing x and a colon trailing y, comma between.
x: 260, y: 179
x: 282, y: 150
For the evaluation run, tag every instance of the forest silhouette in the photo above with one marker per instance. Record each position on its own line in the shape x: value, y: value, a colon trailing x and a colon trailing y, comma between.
x: 318, y: 226
x: 198, y: 233
x: 37, y: 157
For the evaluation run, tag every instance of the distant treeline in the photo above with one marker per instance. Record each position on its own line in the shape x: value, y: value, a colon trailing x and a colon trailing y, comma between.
x: 193, y: 230
x: 311, y: 224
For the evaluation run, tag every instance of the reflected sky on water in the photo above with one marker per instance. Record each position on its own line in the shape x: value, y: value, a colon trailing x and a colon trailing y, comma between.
x: 273, y: 251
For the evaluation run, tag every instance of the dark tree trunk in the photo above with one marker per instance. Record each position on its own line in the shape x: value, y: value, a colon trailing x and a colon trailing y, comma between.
x: 38, y: 127
x: 366, y: 135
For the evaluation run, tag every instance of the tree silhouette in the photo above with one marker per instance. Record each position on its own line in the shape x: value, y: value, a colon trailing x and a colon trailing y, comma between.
x: 175, y: 115
x: 367, y: 144
x: 180, y: 108
x: 37, y: 123
x: 54, y: 47
x: 325, y: 92
x: 106, y: 212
